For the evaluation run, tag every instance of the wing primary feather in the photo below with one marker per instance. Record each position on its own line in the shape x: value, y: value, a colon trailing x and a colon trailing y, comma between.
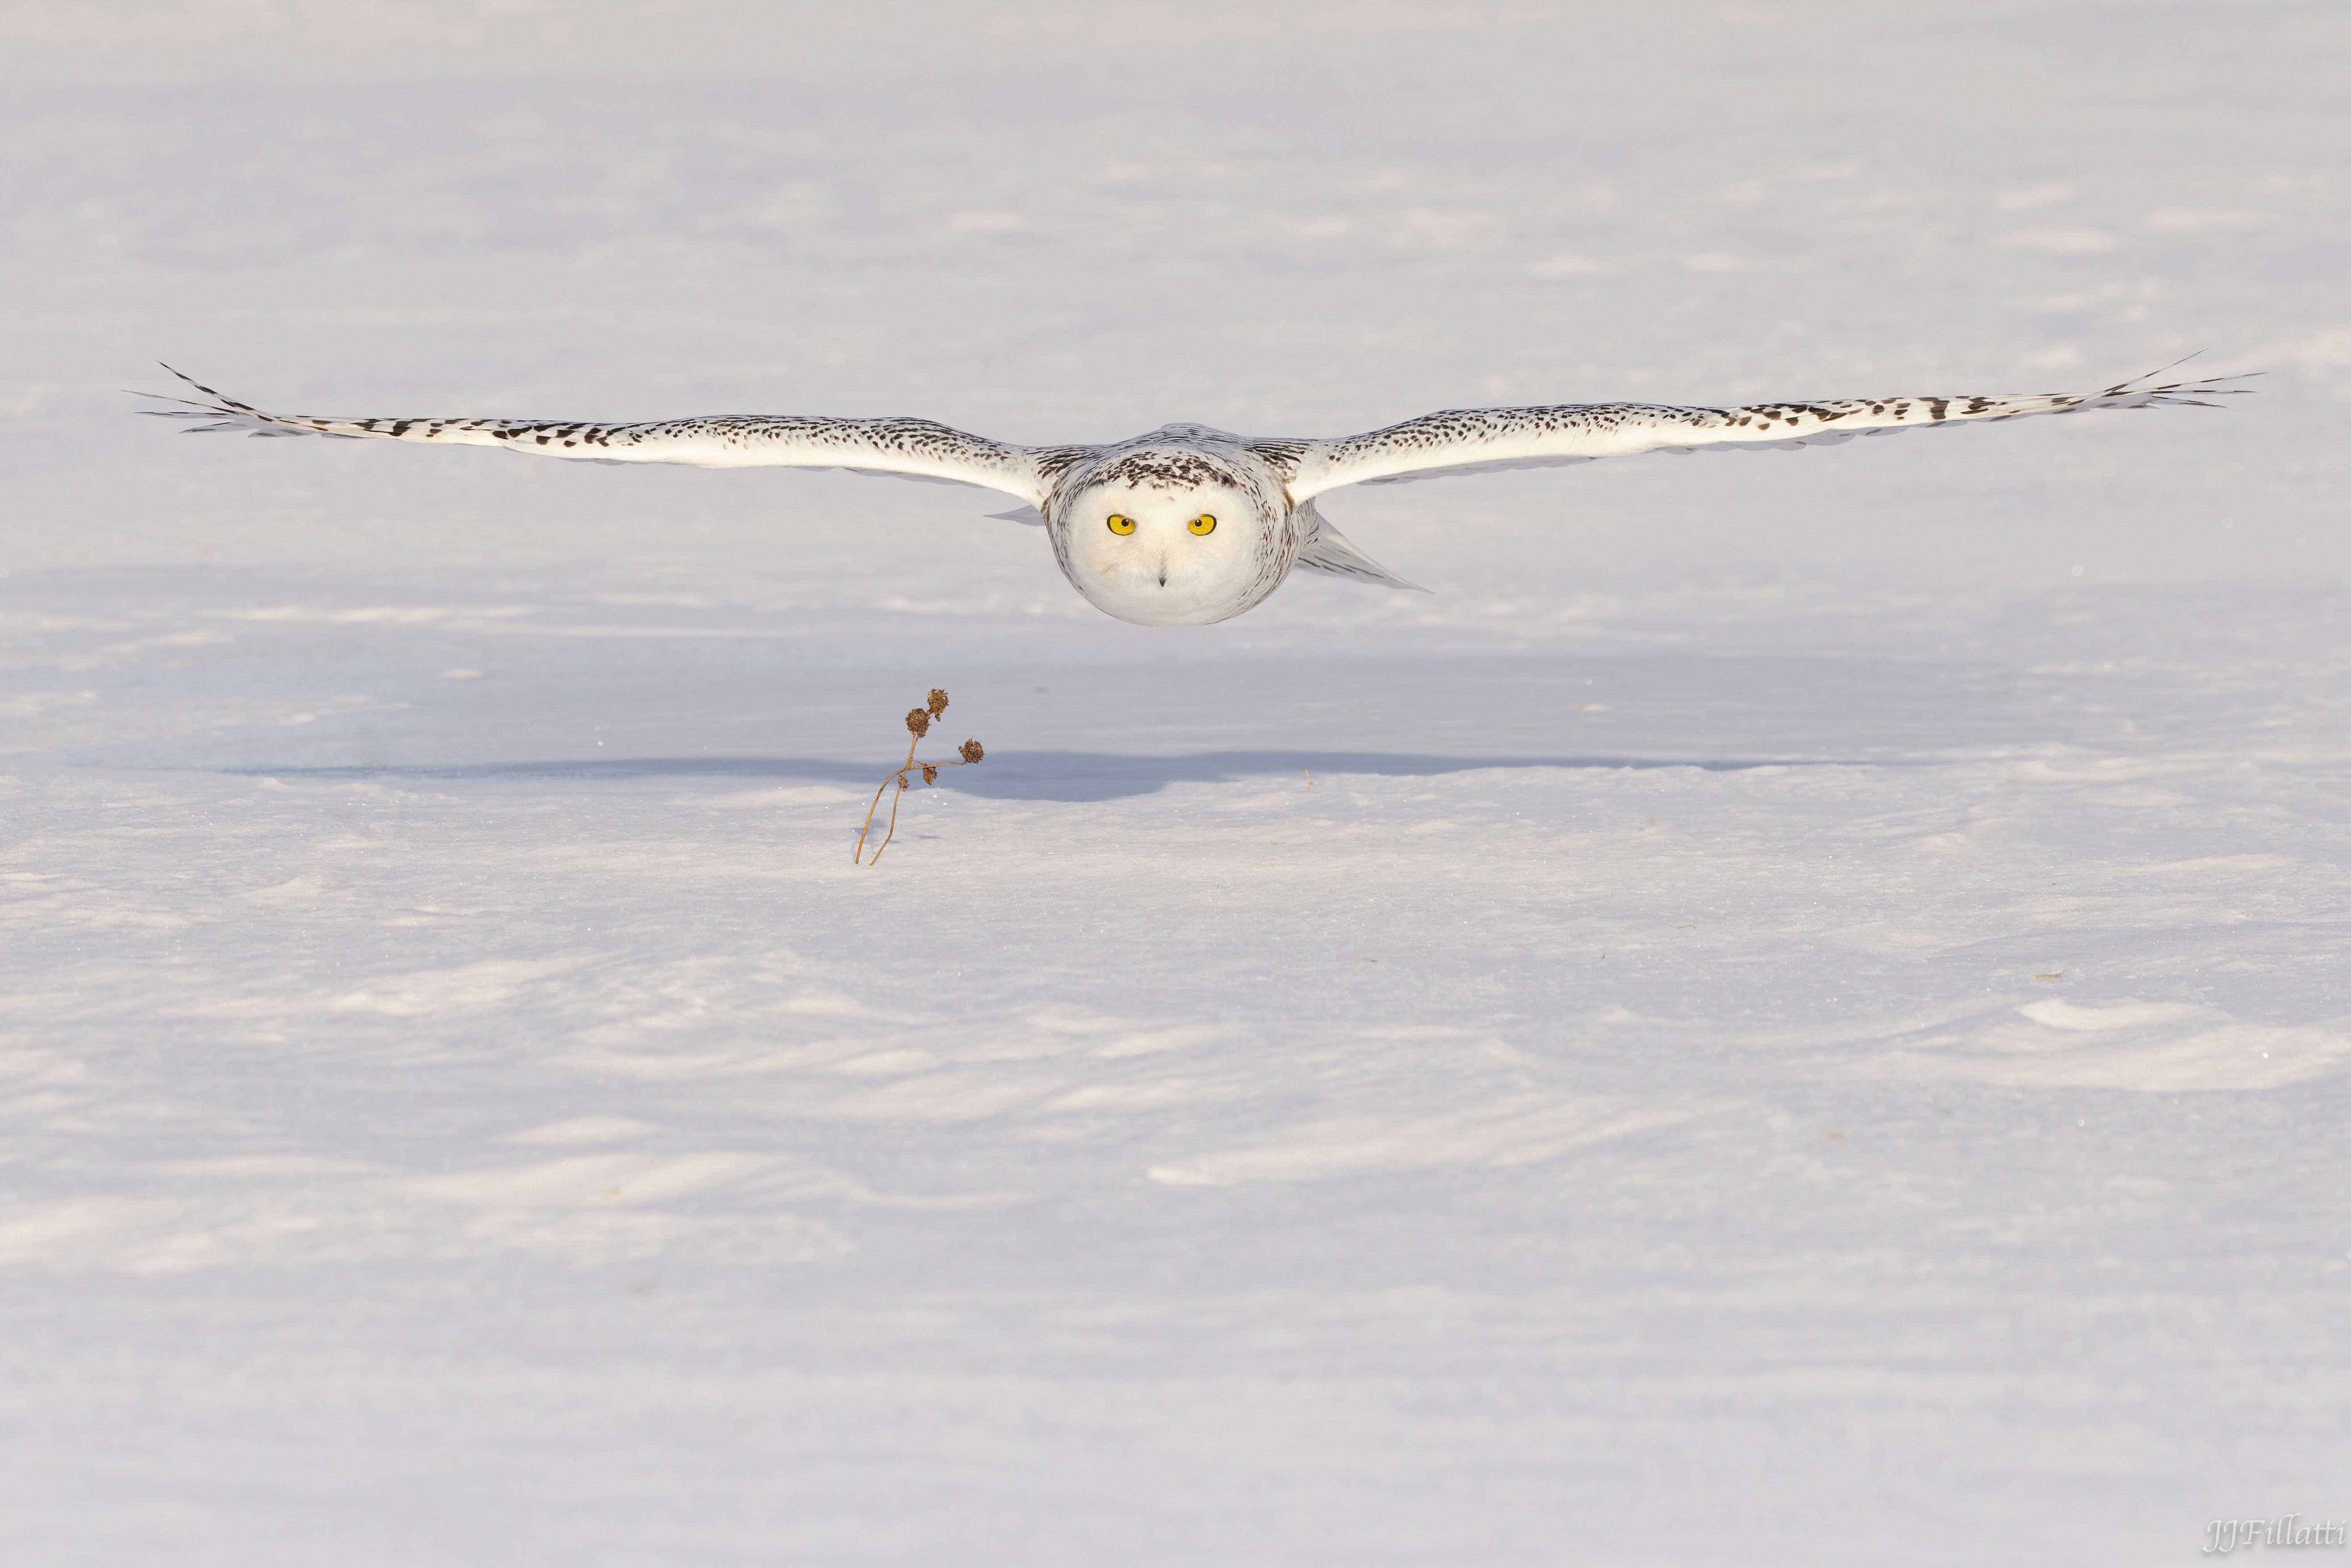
x: 903, y: 447
x: 1463, y: 440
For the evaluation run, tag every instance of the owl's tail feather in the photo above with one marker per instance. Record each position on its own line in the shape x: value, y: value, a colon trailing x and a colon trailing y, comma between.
x: 1328, y: 550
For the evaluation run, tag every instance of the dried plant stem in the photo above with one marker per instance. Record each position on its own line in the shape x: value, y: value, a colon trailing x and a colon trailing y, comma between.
x: 901, y: 777
x: 896, y: 796
x: 890, y: 829
x: 918, y: 724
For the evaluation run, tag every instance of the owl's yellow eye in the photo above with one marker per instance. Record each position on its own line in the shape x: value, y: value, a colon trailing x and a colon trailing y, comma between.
x: 1203, y: 524
x: 1121, y: 524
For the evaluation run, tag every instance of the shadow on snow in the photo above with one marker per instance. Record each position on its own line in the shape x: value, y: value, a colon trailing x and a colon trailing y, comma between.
x: 1069, y: 776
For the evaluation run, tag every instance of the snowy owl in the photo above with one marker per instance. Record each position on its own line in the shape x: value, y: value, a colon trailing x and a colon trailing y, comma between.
x: 1190, y: 525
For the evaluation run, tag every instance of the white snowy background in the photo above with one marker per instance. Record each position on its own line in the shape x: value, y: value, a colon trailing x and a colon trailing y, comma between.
x: 1797, y: 1011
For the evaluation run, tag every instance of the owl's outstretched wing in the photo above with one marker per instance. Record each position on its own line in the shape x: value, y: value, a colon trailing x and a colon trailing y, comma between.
x: 1468, y: 440
x: 910, y: 448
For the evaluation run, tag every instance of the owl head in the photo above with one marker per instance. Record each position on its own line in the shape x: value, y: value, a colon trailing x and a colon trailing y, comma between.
x: 1171, y: 538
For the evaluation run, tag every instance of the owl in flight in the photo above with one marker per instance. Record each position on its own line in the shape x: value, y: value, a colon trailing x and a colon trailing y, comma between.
x: 1190, y: 525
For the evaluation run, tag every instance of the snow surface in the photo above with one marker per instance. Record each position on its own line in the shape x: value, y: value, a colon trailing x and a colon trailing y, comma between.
x: 1794, y: 1013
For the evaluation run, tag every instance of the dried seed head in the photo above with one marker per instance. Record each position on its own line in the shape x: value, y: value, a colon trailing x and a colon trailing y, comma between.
x: 901, y: 785
x: 971, y: 751
x: 930, y: 774
x: 938, y: 702
x: 919, y: 722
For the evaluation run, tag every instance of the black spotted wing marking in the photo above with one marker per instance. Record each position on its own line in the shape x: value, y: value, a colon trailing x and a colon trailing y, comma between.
x: 1462, y: 441
x: 908, y: 448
